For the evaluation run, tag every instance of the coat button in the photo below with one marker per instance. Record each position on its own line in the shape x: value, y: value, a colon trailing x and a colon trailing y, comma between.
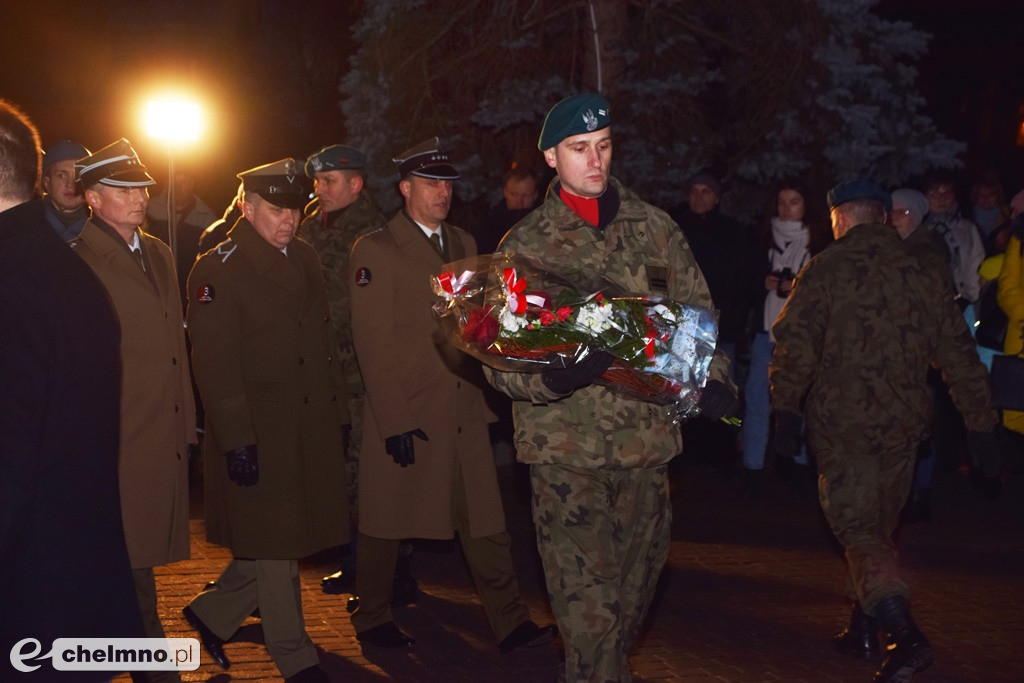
x: 458, y: 385
x: 174, y: 361
x: 179, y: 456
x: 175, y: 408
x: 305, y: 399
x: 301, y: 360
x: 458, y: 430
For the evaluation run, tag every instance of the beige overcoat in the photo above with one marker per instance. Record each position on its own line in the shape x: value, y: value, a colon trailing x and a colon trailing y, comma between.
x: 415, y: 380
x: 158, y: 418
x: 258, y: 323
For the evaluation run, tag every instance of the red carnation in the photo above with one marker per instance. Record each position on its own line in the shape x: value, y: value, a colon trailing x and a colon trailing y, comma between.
x: 563, y: 313
x: 546, y: 317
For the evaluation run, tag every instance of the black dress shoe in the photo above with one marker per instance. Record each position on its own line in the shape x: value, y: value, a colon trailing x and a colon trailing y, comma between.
x: 339, y: 582
x: 527, y: 634
x: 311, y: 674
x: 385, y: 635
x: 213, y: 644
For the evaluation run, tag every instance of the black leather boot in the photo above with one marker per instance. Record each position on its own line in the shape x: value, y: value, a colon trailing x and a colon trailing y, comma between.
x: 860, y: 638
x: 910, y: 651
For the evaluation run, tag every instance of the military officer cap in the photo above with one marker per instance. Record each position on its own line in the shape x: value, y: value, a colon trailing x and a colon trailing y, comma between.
x: 426, y: 160
x: 576, y: 114
x: 281, y: 183
x: 860, y: 188
x: 116, y: 165
x: 63, y: 151
x: 335, y: 158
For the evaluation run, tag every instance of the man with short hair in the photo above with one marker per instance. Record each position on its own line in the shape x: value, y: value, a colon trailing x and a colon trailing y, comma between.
x: 426, y: 468
x: 599, y: 461
x: 63, y: 199
x: 865, y: 320
x: 275, y: 410
x: 158, y: 424
x: 65, y: 571
x: 344, y: 210
x: 519, y: 197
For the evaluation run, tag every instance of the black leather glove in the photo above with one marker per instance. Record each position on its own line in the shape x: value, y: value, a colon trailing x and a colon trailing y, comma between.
x: 717, y: 400
x: 788, y: 434
x: 569, y: 379
x: 400, y: 446
x: 242, y: 466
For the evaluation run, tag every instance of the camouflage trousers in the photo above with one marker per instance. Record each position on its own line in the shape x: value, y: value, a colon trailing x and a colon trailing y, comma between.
x: 861, y: 496
x: 603, y: 537
x: 352, y: 448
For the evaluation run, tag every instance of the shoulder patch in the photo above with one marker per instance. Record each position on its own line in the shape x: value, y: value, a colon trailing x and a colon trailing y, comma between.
x: 226, y: 249
x: 205, y: 294
x: 363, y: 276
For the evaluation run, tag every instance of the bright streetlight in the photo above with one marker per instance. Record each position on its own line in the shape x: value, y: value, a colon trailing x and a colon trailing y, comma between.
x: 175, y: 120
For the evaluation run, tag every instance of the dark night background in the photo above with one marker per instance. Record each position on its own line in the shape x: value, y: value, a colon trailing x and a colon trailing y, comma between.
x: 268, y: 74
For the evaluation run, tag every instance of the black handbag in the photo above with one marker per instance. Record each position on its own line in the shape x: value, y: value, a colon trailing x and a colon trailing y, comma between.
x: 1008, y: 382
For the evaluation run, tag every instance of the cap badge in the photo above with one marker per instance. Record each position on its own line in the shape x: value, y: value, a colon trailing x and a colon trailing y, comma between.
x: 589, y: 120
x: 316, y: 164
x: 363, y: 276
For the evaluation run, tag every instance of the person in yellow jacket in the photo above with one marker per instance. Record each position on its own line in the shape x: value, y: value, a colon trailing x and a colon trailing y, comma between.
x: 1011, y: 300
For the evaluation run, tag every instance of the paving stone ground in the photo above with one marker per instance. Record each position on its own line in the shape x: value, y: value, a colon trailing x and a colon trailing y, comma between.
x: 752, y: 592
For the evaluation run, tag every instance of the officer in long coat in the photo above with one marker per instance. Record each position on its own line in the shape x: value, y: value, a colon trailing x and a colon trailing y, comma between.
x: 275, y: 407
x: 157, y: 406
x: 426, y: 468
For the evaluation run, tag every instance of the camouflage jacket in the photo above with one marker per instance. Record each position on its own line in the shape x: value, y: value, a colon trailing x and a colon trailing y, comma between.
x: 333, y: 242
x: 865, y: 320
x: 643, y: 251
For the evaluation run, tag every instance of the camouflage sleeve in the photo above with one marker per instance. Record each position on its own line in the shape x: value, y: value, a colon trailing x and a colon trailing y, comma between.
x: 520, y: 386
x: 686, y: 284
x: 968, y: 381
x: 799, y: 333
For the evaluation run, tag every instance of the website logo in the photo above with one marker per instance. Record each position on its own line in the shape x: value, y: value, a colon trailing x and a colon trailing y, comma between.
x: 109, y: 654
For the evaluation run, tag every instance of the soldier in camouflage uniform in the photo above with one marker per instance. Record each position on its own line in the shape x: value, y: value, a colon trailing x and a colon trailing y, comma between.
x: 343, y: 213
x: 854, y: 342
x: 598, y: 461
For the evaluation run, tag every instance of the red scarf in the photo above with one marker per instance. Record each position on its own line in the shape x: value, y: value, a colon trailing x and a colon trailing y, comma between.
x: 584, y: 207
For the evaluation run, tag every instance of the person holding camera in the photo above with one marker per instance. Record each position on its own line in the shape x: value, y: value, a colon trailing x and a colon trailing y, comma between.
x: 789, y: 240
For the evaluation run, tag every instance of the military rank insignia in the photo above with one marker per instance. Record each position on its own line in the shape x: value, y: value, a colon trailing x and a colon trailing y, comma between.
x: 657, y: 278
x: 363, y: 276
x: 205, y: 294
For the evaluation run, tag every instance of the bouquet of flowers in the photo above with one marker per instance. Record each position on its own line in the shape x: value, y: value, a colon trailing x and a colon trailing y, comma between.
x: 514, y: 314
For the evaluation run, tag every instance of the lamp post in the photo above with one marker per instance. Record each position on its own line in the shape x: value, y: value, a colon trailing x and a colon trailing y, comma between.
x: 174, y: 120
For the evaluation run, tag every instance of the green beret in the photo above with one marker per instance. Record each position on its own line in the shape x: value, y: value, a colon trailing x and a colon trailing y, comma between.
x: 335, y: 158
x: 860, y: 188
x: 577, y: 114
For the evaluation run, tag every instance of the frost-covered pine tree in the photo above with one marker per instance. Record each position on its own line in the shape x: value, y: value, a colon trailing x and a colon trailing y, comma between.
x: 755, y: 92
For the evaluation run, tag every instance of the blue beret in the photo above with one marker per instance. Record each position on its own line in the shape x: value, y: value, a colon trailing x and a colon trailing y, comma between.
x: 64, y: 150
x: 335, y: 158
x: 576, y: 114
x: 861, y: 188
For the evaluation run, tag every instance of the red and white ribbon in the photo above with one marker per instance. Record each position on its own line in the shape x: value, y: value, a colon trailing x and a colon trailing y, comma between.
x: 515, y: 293
x: 453, y: 285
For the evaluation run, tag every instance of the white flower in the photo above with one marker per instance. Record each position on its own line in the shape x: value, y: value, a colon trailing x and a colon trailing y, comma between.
x: 594, y: 318
x: 510, y: 322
